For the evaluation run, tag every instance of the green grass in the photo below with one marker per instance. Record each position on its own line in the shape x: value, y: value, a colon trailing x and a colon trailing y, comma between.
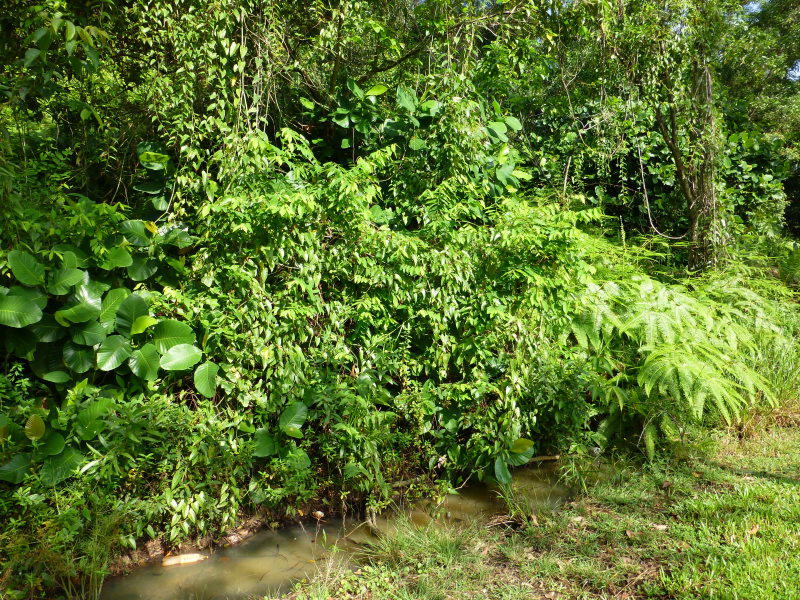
x: 725, y: 526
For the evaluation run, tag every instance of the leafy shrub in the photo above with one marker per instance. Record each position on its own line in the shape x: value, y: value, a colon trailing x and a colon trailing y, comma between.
x: 667, y: 355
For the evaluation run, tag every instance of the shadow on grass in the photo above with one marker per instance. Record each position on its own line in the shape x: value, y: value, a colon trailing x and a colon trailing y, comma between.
x: 778, y: 478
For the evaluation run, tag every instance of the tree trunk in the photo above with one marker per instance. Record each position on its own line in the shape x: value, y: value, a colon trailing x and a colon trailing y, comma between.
x: 695, y: 170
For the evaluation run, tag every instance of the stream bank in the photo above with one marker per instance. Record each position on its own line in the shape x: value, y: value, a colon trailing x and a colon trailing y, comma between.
x: 272, y: 560
x: 722, y: 524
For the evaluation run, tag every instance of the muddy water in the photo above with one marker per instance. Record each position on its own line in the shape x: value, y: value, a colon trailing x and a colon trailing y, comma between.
x: 267, y: 562
x: 271, y: 561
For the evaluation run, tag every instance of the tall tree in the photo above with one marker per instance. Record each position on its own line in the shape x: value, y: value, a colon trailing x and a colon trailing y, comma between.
x: 676, y: 44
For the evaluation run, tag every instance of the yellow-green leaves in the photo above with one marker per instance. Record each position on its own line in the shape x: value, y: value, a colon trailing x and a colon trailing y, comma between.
x: 406, y: 98
x: 521, y: 445
x: 376, y: 90
x: 34, y: 427
x: 142, y: 323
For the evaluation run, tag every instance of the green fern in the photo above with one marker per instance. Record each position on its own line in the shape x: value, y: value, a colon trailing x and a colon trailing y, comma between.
x: 670, y: 355
x: 790, y: 266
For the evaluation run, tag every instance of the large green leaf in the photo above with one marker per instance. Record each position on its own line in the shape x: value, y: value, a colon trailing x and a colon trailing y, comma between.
x: 60, y: 281
x: 14, y: 471
x: 26, y: 268
x: 153, y: 161
x: 521, y: 445
x: 78, y: 313
x: 264, y: 443
x: 517, y: 460
x: 130, y: 309
x: 72, y: 256
x: 505, y: 174
x: 88, y: 334
x: 141, y: 324
x: 151, y: 188
x: 205, y: 379
x: 430, y: 107
x: 159, y: 202
x: 58, y: 376
x: 78, y: 358
x: 53, y: 444
x: 292, y: 419
x: 135, y: 232
x: 177, y: 237
x: 181, y: 357
x: 169, y: 333
x: 501, y: 472
x: 111, y: 303
x: 90, y: 291
x: 142, y: 268
x: 114, y: 350
x: 498, y: 129
x: 118, y: 257
x: 406, y: 98
x: 144, y: 362
x: 96, y: 409
x: 17, y: 312
x: 60, y: 467
x: 48, y: 363
x: 513, y: 123
x: 48, y: 329
x: 31, y: 294
x: 84, y: 305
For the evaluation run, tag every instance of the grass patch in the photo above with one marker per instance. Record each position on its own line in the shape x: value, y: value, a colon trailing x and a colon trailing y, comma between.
x: 726, y: 525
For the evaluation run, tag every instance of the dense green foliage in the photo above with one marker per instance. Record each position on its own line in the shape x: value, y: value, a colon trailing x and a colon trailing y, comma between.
x: 255, y: 256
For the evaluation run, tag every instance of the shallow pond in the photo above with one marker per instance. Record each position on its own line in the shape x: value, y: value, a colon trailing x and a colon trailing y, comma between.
x: 272, y: 560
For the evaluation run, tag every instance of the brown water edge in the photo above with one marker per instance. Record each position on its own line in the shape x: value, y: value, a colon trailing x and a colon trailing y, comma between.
x: 269, y: 561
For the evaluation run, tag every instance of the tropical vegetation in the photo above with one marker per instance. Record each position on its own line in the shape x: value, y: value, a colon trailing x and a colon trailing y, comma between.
x: 259, y: 254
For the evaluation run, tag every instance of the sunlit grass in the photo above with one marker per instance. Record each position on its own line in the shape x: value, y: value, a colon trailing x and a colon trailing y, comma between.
x: 725, y: 525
